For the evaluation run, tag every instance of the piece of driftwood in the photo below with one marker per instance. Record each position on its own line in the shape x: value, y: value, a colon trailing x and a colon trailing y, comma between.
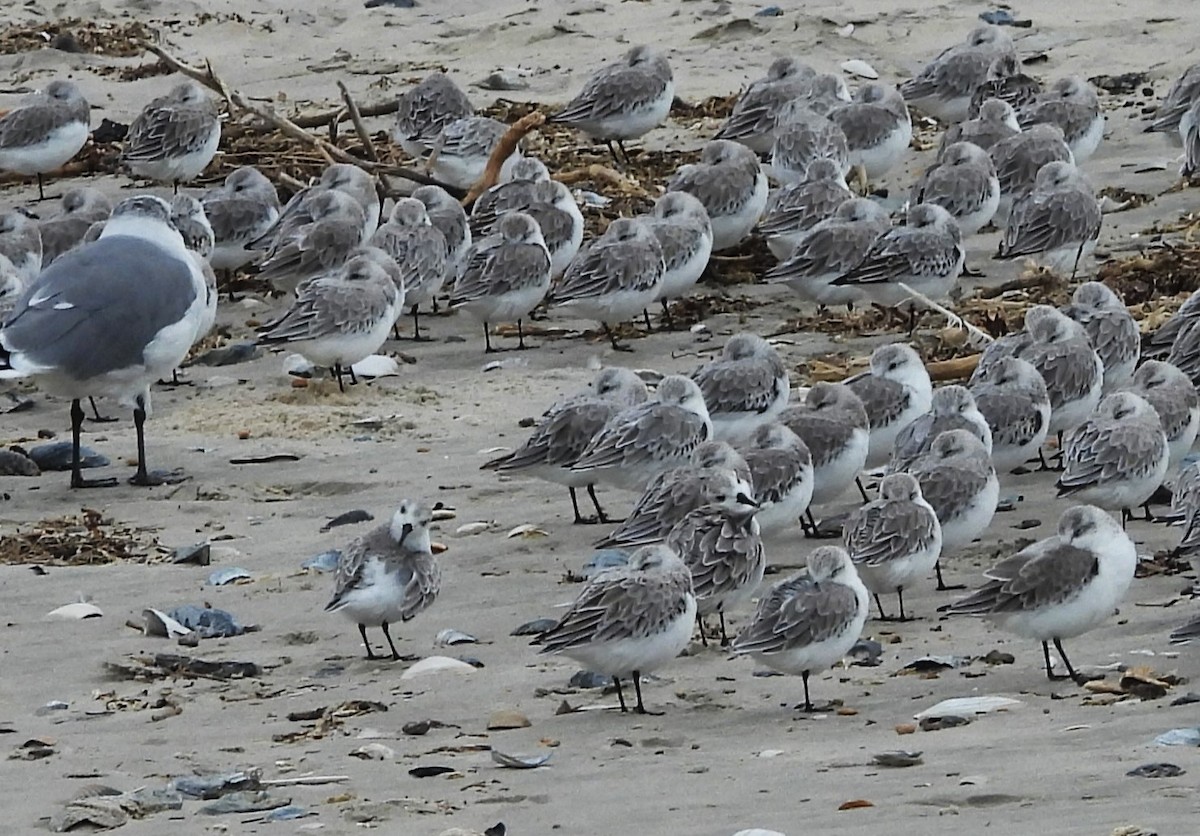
x: 503, y: 150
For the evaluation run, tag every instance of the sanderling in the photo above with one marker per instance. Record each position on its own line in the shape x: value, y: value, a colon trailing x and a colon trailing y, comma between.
x: 1111, y: 328
x: 745, y: 387
x: 729, y: 182
x: 996, y: 121
x: 614, y: 278
x: 646, y: 439
x: 514, y: 193
x: 781, y: 469
x: 1187, y: 632
x: 623, y: 100
x: 629, y: 620
x: 1174, y: 106
x: 11, y: 288
x: 318, y: 247
x: 1160, y: 341
x: 460, y: 152
x: 419, y: 248
x: 721, y: 544
x: 797, y: 208
x: 1005, y: 82
x: 829, y: 249
x: 894, y: 540
x: 943, y: 88
x: 1012, y: 397
x: 754, y: 117
x: 926, y: 254
x: 80, y: 208
x: 1185, y: 501
x: 807, y: 623
x: 674, y: 494
x: 1118, y: 457
x: 963, y: 182
x: 565, y: 431
x: 342, y: 177
x: 1191, y: 141
x: 1174, y: 398
x: 187, y: 216
x: 240, y: 210
x: 339, y: 319
x: 424, y: 109
x: 1072, y: 104
x: 558, y: 216
x: 681, y: 225
x: 507, y: 275
x: 1060, y: 587
x: 388, y: 574
x: 448, y: 215
x: 21, y: 243
x: 175, y: 137
x: 1057, y: 223
x: 834, y: 426
x: 877, y: 128
x: 1019, y: 158
x: 959, y: 482
x: 805, y: 135
x: 45, y: 130
x: 895, y: 390
x: 952, y: 408
x: 83, y: 329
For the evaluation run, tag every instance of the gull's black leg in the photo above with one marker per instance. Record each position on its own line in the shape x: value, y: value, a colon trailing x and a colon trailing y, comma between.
x: 724, y: 638
x: 77, y: 480
x: 882, y: 615
x: 942, y: 586
x: 808, y: 706
x: 700, y: 624
x: 666, y: 315
x: 142, y: 475
x: 579, y: 518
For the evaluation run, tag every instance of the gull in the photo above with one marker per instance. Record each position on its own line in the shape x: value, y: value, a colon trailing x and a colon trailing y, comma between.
x: 1111, y: 328
x: 450, y: 219
x: 1169, y: 116
x: 622, y: 100
x: 808, y: 622
x: 894, y: 540
x: 45, y: 130
x: 419, y: 248
x: 833, y: 424
x: 80, y: 208
x: 894, y: 391
x: 681, y: 225
x: 564, y: 432
x: 1012, y: 397
x: 1117, y: 458
x: 959, y: 482
x: 109, y: 319
x: 318, y: 247
x: 797, y: 208
x: 781, y: 469
x: 753, y: 119
x: 613, y: 279
x: 729, y: 182
x: 461, y: 151
x: 644, y: 440
x: 340, y: 319
x: 1057, y: 223
x: 240, y: 210
x: 830, y: 249
x: 964, y: 183
x: 877, y: 126
x: 515, y: 193
x: 943, y: 88
x: 996, y: 121
x: 926, y: 255
x: 804, y: 135
x: 21, y: 243
x: 507, y: 275
x: 175, y: 137
x: 388, y: 574
x: 1019, y: 159
x: 951, y: 408
x: 1174, y: 398
x: 424, y: 109
x: 1072, y: 104
x: 745, y: 387
x: 1060, y: 587
x: 1004, y: 82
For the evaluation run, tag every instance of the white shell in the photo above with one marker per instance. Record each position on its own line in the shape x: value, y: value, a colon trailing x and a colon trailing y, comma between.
x: 377, y: 365
x: 520, y: 761
x: 859, y: 68
x: 450, y: 637
x: 471, y: 529
x: 158, y: 623
x: 528, y: 530
x: 758, y: 832
x: 846, y: 31
x: 965, y: 706
x: 440, y: 514
x: 76, y: 611
x: 436, y: 664
x: 374, y: 752
x: 297, y: 364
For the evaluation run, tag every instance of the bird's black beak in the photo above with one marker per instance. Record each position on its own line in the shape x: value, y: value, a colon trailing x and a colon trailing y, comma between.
x: 745, y: 500
x: 405, y: 530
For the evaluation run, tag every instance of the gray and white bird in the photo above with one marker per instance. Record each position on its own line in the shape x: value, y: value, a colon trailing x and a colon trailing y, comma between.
x: 730, y: 184
x: 558, y: 217
x: 745, y: 387
x: 1112, y: 329
x: 460, y: 152
x: 1019, y: 158
x: 833, y: 424
x: 1012, y: 397
x: 781, y: 471
x: 342, y: 177
x: 805, y: 134
x: 46, y: 129
x: 424, y: 109
x: 895, y: 390
x: 963, y: 182
x: 64, y: 230
x: 515, y: 192
x: 1070, y: 103
x: 1005, y: 82
x: 318, y: 247
x: 877, y: 127
x: 755, y: 114
x: 1057, y: 223
x: 996, y: 121
x: 1174, y: 398
x: 797, y: 208
x: 21, y: 243
x: 450, y: 219
x: 388, y: 574
x: 1169, y: 116
x: 944, y: 86
x: 681, y: 225
x: 175, y: 136
x: 419, y: 249
x: 952, y: 408
x: 240, y: 210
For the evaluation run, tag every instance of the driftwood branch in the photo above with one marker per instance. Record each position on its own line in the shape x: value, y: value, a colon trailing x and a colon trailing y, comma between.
x: 356, y: 118
x: 503, y: 150
x: 329, y: 117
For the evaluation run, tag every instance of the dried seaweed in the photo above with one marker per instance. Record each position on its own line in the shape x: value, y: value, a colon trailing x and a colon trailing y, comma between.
x: 79, y: 36
x: 89, y: 539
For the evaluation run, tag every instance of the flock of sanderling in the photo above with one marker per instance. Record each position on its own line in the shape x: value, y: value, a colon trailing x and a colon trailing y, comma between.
x: 103, y: 301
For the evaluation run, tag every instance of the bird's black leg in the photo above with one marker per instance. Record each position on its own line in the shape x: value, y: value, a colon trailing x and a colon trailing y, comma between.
x: 41, y: 188
x: 1071, y: 672
x: 637, y: 687
x: 580, y: 519
x: 861, y: 489
x: 142, y: 476
x: 353, y: 377
x: 666, y: 316
x: 624, y: 151
x: 521, y: 336
x: 808, y: 706
x: 724, y: 638
x: 362, y: 630
x: 417, y: 326
x: 387, y: 635
x: 942, y: 586
x: 1078, y: 255
x: 612, y: 336
x: 700, y: 624
x: 77, y: 480
x: 1126, y: 516
x: 1149, y: 517
x: 336, y: 371
x: 601, y: 517
x: 646, y: 318
x: 487, y: 341
x: 620, y: 694
x: 613, y: 151
x: 882, y: 615
x: 97, y: 417
x: 900, y: 597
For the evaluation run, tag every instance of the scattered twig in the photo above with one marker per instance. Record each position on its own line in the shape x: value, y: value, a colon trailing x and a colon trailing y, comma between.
x: 324, y: 118
x: 503, y: 150
x: 956, y: 368
x: 1038, y: 279
x: 981, y: 337
x: 305, y: 781
x: 359, y: 127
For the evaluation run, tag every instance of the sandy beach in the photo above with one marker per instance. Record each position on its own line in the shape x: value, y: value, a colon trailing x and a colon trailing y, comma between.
x: 728, y: 753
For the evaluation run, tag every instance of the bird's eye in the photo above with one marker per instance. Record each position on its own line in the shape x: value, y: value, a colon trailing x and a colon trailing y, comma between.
x: 721, y: 497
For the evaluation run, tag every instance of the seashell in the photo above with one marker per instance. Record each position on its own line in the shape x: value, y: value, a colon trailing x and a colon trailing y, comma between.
x: 533, y: 628
x: 961, y: 706
x: 520, y: 761
x: 758, y: 831
x: 374, y: 752
x: 450, y: 637
x: 298, y: 365
x: 528, y: 531
x: 158, y: 623
x: 228, y: 575
x: 438, y: 548
x: 75, y: 612
x: 898, y: 758
x: 859, y: 68
x: 377, y: 365
x: 436, y: 664
x: 442, y: 514
x: 471, y: 529
x: 846, y: 31
x: 324, y: 562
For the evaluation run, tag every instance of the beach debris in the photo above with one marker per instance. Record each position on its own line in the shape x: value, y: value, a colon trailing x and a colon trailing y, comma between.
x: 520, y: 761
x: 324, y: 720
x: 51, y: 707
x: 758, y: 831
x: 76, y: 611
x: 866, y: 653
x: 471, y: 529
x: 503, y: 79
x: 430, y: 771
x: 107, y: 808
x: 244, y: 802
x: 535, y: 627
x: 12, y: 402
x: 34, y: 749
x: 324, y: 562
x: 589, y: 680
x: 436, y: 664
x: 56, y: 455
x: 227, y: 355
x: 374, y: 752
x: 859, y: 68
x: 16, y: 463
x: 86, y: 539
x: 604, y: 559
x: 945, y: 721
x: 856, y: 804
x: 527, y: 531
x: 450, y: 637
x: 269, y: 458
x: 1003, y: 17
x: 928, y: 664
x: 898, y: 758
x: 1157, y: 770
x: 228, y: 575
x: 199, y: 554
x: 349, y: 518
x: 505, y: 719
x: 1179, y: 737
x: 966, y: 706
x: 208, y: 787
x: 147, y: 666
x: 377, y: 365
